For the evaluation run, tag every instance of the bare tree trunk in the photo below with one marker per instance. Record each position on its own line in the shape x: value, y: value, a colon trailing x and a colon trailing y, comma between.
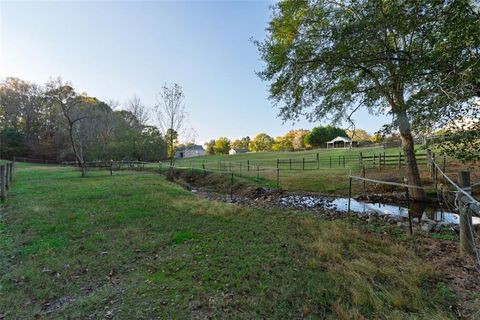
x: 413, y: 174
x: 170, y: 175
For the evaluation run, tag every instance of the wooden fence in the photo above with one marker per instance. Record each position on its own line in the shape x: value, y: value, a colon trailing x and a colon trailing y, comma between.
x: 7, y: 171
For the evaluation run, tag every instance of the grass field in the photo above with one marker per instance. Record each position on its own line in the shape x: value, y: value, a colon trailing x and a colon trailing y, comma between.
x: 135, y: 246
x: 329, y: 175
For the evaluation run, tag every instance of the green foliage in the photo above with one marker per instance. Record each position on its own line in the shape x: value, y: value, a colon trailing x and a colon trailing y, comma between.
x: 359, y: 135
x: 171, y: 138
x: 42, y: 126
x: 241, y: 143
x: 12, y: 143
x: 319, y: 136
x: 461, y: 142
x: 210, y: 147
x: 329, y: 57
x: 222, y: 145
x: 261, y: 142
x: 282, y: 144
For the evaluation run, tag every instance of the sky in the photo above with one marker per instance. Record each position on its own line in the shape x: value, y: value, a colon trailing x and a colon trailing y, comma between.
x: 113, y: 50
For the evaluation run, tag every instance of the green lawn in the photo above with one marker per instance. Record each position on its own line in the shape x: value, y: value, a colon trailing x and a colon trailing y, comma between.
x: 134, y: 246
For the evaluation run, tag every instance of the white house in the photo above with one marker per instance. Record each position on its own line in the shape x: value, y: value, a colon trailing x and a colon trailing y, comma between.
x: 341, y: 142
x: 190, y: 151
x: 235, y: 151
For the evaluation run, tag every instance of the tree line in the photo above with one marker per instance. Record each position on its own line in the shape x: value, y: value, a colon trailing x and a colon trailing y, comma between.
x: 55, y: 121
x: 294, y: 140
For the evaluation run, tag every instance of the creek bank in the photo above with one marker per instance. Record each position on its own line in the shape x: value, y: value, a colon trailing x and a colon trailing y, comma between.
x: 390, y: 207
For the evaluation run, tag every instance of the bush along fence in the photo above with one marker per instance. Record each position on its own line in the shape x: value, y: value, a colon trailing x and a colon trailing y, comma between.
x: 7, y: 171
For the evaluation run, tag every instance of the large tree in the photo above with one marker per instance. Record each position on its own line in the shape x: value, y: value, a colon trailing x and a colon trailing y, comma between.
x: 319, y: 136
x: 415, y: 60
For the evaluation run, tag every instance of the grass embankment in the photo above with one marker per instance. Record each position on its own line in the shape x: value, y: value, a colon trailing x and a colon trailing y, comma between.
x: 135, y: 246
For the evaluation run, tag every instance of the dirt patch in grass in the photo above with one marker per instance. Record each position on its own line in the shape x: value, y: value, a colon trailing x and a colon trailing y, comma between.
x: 460, y: 272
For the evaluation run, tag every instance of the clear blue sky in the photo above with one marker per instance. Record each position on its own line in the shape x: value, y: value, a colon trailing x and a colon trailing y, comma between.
x: 113, y: 50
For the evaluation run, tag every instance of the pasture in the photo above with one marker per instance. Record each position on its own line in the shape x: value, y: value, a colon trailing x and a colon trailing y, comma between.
x: 133, y: 245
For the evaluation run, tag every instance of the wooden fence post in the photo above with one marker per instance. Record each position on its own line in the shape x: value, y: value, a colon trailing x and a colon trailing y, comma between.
x: 466, y: 228
x: 11, y: 171
x: 111, y: 167
x: 330, y: 162
x: 7, y: 176
x: 240, y: 169
x: 248, y: 165
x: 290, y: 163
x: 464, y: 181
x: 303, y: 163
x: 278, y: 163
x: 318, y: 162
x: 3, y: 187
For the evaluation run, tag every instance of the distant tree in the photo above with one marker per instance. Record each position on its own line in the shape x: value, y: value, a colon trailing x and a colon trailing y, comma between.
x: 319, y: 136
x: 12, y: 143
x: 21, y: 108
x: 222, y: 145
x: 261, y: 142
x: 172, y: 118
x: 414, y: 60
x: 282, y: 144
x: 377, y: 137
x: 241, y: 143
x: 359, y: 135
x: 210, y: 147
x: 138, y: 110
x: 296, y: 138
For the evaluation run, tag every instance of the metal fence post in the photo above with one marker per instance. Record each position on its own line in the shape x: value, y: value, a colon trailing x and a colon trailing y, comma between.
x: 349, y: 193
x: 278, y: 178
x: 231, y: 187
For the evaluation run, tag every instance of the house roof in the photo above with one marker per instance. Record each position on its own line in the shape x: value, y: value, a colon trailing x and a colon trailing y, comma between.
x: 344, y: 139
x: 192, y: 147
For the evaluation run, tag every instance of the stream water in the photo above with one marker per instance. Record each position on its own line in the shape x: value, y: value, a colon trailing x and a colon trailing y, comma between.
x: 417, y: 210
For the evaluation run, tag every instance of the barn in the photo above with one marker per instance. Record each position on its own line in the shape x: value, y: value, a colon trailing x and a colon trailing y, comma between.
x: 194, y: 150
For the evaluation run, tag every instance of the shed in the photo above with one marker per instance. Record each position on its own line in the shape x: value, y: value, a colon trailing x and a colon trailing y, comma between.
x: 341, y: 142
x: 236, y: 150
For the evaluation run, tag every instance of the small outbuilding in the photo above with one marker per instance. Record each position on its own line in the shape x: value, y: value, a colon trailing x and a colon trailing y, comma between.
x: 341, y: 142
x: 235, y: 151
x: 194, y: 150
